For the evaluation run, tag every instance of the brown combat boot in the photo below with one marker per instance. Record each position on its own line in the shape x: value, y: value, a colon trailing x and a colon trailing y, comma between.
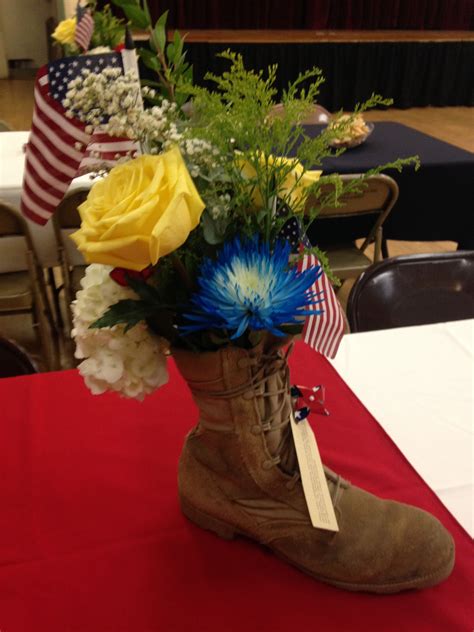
x: 238, y: 475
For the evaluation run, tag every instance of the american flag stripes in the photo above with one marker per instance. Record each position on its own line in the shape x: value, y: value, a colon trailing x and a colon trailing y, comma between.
x: 323, y: 333
x: 53, y: 154
x: 104, y: 151
x: 84, y: 27
x: 58, y: 146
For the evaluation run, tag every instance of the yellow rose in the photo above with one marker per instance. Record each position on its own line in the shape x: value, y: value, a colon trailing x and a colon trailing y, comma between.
x: 143, y: 210
x: 293, y: 185
x: 65, y: 31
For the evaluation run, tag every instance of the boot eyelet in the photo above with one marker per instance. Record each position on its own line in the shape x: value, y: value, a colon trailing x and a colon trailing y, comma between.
x: 256, y: 430
x: 290, y: 486
x: 267, y: 465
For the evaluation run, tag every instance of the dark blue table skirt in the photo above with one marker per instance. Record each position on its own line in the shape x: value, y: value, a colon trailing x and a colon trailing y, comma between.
x: 435, y: 202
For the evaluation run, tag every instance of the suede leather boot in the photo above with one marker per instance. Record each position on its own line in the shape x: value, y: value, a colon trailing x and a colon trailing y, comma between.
x: 238, y: 475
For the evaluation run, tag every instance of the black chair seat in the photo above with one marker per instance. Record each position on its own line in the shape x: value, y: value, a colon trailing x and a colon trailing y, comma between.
x: 14, y: 360
x: 413, y: 290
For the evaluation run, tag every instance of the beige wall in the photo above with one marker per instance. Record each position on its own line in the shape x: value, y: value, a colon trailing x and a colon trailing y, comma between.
x: 23, y: 24
x: 3, y: 55
x: 69, y: 7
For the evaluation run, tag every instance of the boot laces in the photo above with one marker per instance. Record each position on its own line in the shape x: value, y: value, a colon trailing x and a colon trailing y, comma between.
x: 286, y: 452
x: 268, y: 365
x: 263, y: 367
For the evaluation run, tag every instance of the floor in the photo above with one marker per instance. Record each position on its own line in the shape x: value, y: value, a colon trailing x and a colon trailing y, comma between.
x: 454, y: 125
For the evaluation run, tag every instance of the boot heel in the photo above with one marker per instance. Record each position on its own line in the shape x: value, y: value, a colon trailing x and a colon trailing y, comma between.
x: 204, y: 521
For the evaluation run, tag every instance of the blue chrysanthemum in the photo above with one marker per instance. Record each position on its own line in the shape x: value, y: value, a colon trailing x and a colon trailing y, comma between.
x: 249, y: 287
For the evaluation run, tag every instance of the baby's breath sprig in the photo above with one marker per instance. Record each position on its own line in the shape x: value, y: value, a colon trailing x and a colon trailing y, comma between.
x: 111, y: 102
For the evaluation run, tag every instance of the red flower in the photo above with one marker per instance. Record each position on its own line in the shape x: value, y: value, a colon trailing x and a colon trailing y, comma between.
x: 119, y: 275
x: 119, y: 48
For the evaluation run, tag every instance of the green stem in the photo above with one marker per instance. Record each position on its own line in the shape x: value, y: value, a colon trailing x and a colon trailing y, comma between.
x: 168, y: 85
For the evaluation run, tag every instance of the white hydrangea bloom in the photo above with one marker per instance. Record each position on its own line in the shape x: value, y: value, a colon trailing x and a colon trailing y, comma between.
x: 132, y: 363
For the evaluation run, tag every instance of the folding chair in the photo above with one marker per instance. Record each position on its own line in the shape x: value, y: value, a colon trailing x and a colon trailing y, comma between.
x: 14, y: 360
x: 374, y: 204
x: 24, y: 292
x: 413, y: 290
x: 66, y: 219
x: 317, y: 116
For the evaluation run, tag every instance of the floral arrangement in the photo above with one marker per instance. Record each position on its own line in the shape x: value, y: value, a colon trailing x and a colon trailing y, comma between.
x: 188, y: 240
x: 107, y: 34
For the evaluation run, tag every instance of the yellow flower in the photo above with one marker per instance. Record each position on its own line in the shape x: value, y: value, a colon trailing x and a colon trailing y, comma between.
x: 293, y: 185
x: 65, y: 31
x: 143, y: 210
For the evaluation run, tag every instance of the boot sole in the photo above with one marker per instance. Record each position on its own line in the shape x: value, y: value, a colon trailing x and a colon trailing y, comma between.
x: 228, y: 532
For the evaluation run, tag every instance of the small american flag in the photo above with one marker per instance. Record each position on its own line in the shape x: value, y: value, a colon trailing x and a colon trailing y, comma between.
x: 57, y: 144
x: 84, y: 27
x: 322, y: 332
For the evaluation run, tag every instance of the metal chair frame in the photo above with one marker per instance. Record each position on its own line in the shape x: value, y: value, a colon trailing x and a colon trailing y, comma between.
x: 12, y: 224
x: 317, y: 116
x: 67, y: 217
x: 377, y: 198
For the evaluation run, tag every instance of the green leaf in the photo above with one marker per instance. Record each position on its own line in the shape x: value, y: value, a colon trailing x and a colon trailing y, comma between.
x: 170, y: 52
x: 162, y: 19
x: 149, y: 59
x: 128, y: 312
x: 181, y: 63
x: 144, y: 290
x: 124, y: 3
x: 147, y: 11
x: 136, y: 15
x: 178, y: 45
x: 159, y: 34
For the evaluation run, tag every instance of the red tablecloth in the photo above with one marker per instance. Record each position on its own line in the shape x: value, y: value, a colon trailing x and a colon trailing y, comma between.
x: 92, y: 539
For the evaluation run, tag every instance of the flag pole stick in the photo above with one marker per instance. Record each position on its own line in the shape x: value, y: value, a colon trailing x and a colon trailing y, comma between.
x: 130, y: 64
x: 130, y: 60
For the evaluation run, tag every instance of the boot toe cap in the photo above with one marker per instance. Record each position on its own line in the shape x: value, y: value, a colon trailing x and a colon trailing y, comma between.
x: 382, y: 546
x: 428, y: 551
x: 407, y: 548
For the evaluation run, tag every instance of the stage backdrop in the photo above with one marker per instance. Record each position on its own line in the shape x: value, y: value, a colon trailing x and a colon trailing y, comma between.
x: 416, y: 71
x: 413, y: 74
x: 317, y: 14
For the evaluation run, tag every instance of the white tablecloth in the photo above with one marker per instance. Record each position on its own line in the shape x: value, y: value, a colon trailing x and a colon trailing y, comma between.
x: 12, y: 160
x: 418, y: 382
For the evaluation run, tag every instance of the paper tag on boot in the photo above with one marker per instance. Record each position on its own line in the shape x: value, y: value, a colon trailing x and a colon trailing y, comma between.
x: 314, y: 482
